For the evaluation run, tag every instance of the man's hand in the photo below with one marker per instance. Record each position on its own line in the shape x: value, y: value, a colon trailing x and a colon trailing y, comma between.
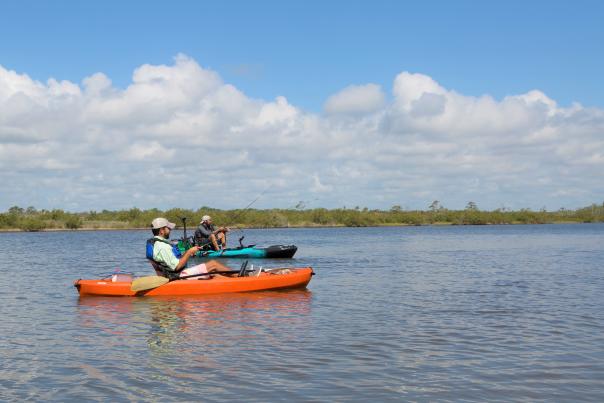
x: 193, y: 250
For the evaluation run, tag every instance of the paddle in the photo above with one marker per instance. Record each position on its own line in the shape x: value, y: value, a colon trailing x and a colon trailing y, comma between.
x: 150, y: 282
x: 147, y: 283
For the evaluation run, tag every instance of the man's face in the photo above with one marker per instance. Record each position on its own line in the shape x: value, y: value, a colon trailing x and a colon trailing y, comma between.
x: 165, y: 232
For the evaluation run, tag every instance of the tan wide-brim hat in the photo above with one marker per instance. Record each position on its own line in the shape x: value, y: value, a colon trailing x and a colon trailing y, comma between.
x: 161, y: 222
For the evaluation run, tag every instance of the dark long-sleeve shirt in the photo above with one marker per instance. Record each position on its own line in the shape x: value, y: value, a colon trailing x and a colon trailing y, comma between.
x: 203, y: 232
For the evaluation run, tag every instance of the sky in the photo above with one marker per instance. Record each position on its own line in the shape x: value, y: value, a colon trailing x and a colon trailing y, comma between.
x: 113, y: 105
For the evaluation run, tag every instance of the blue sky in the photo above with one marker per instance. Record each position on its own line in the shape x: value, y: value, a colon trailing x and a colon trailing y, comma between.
x: 307, y: 50
x: 368, y: 103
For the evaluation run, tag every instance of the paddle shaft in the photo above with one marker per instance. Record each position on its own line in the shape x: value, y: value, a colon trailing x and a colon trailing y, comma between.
x: 230, y: 272
x: 212, y: 272
x: 151, y: 282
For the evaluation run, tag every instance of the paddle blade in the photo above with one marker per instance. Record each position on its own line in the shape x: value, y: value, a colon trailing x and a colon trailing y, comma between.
x: 147, y: 283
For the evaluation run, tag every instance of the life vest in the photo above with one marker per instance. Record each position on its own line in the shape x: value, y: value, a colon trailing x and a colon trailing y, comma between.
x: 166, y: 271
x: 151, y: 245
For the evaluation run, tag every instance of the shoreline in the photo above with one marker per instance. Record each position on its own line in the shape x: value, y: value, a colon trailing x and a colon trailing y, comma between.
x: 440, y: 224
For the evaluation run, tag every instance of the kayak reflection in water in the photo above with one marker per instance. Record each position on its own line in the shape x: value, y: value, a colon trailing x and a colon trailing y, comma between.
x: 168, y: 263
x: 207, y: 235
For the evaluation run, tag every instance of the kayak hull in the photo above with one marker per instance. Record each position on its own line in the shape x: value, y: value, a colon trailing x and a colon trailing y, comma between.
x: 297, y: 278
x: 271, y: 252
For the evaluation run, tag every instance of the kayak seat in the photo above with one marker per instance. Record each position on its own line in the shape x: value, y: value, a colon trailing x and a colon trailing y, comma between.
x: 157, y: 268
x: 161, y: 271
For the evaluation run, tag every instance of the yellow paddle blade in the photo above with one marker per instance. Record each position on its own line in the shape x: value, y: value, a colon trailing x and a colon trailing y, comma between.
x: 147, y: 283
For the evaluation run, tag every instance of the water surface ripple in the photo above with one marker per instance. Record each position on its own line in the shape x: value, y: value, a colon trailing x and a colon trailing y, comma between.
x: 497, y: 313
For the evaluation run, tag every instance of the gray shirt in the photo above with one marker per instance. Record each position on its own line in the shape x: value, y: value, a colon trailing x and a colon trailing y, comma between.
x: 204, y: 231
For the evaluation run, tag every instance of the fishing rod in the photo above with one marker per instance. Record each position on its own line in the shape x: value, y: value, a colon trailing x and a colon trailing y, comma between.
x: 250, y: 204
x: 238, y: 215
x: 184, y: 219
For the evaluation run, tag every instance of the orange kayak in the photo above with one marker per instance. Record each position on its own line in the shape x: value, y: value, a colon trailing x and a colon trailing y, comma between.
x: 296, y: 278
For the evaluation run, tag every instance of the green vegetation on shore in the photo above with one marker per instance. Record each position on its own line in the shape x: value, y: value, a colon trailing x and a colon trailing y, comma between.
x: 31, y: 219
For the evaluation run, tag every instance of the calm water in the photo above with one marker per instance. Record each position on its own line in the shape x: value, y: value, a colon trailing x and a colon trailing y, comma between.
x: 498, y: 313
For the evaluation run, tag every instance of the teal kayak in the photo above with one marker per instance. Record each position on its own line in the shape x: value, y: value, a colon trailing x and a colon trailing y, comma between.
x: 247, y: 252
x: 243, y: 251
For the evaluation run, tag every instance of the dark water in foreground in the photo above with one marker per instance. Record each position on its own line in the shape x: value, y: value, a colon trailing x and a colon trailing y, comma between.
x: 498, y: 313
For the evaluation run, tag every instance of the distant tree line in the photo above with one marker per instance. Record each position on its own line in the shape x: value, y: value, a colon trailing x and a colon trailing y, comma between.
x: 31, y: 219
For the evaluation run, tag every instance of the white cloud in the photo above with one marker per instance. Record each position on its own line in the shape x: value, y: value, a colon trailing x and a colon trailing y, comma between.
x: 279, y: 111
x: 150, y: 150
x: 356, y: 99
x: 318, y: 187
x: 96, y: 84
x: 409, y: 88
x: 181, y: 129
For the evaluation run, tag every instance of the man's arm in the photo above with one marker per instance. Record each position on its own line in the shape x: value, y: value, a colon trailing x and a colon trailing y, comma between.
x: 204, y: 231
x: 182, y: 262
x: 166, y: 256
